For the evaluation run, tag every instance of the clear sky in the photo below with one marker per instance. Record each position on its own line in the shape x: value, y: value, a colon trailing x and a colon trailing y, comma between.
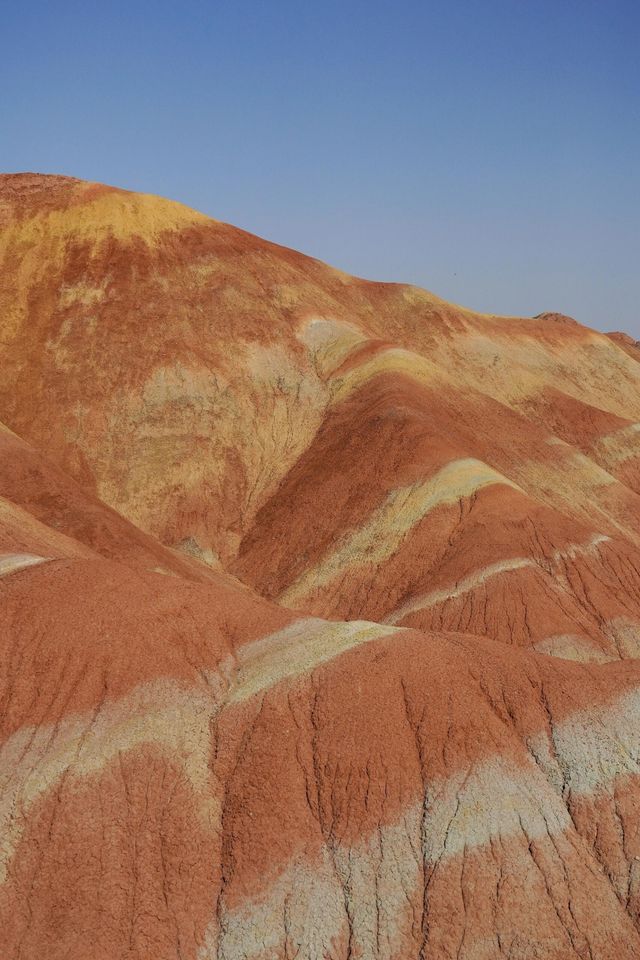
x: 487, y: 150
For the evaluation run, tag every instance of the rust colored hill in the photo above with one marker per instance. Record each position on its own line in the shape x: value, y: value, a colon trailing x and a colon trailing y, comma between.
x: 319, y: 605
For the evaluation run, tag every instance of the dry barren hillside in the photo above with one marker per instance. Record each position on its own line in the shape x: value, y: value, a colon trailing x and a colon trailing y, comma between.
x: 319, y: 605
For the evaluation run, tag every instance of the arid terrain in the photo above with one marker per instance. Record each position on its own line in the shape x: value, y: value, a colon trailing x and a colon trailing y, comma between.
x: 319, y: 605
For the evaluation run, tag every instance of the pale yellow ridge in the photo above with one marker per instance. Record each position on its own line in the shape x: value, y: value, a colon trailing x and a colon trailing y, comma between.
x: 392, y: 360
x: 381, y: 535
x: 478, y: 577
x: 12, y: 562
x: 299, y: 649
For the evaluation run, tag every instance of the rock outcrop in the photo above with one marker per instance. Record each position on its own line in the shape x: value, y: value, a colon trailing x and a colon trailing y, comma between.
x: 319, y: 605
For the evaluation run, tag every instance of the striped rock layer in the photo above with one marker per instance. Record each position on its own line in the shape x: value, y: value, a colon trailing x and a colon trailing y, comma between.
x: 319, y: 605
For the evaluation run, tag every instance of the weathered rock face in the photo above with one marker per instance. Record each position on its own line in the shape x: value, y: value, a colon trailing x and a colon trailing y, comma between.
x: 319, y: 606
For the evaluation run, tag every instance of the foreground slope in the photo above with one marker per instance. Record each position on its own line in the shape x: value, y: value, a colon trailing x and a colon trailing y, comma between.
x: 189, y: 772
x: 319, y: 605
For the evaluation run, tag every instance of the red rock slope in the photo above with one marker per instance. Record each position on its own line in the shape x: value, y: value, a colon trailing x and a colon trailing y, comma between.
x: 319, y: 606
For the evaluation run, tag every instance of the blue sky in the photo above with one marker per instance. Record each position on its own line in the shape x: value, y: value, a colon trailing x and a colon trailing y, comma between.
x: 488, y: 150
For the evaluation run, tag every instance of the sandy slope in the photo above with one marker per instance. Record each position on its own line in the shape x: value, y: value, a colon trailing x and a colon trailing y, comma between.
x: 319, y: 605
